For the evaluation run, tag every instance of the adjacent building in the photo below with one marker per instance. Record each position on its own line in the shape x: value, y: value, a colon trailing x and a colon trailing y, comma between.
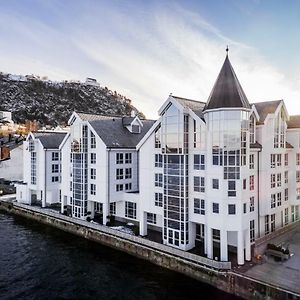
x: 214, y: 175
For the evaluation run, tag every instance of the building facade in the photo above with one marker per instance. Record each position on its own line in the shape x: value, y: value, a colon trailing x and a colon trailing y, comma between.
x: 214, y: 175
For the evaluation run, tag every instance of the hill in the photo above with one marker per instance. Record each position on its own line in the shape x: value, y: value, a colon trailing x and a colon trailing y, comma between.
x: 52, y: 103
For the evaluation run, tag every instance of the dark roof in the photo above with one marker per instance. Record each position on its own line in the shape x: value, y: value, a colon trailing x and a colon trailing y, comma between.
x: 114, y: 134
x: 50, y: 140
x: 256, y: 145
x: 288, y: 145
x: 196, y: 106
x: 227, y: 91
x: 265, y: 108
x: 294, y: 122
x: 127, y: 120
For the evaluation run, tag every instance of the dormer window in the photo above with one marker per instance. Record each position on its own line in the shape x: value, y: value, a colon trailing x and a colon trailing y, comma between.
x: 133, y: 124
x: 135, y: 129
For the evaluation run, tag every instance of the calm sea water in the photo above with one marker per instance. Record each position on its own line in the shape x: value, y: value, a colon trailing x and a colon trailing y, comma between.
x: 40, y: 262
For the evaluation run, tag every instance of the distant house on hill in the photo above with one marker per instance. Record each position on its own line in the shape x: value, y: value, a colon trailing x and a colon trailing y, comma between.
x: 91, y: 81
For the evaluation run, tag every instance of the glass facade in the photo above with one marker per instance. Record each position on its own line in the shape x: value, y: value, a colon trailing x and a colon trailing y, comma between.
x: 80, y: 175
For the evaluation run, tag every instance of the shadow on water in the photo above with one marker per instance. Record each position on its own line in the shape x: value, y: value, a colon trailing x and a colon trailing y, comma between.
x: 40, y: 262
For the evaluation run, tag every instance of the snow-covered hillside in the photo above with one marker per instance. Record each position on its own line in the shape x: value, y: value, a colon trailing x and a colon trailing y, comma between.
x: 49, y: 102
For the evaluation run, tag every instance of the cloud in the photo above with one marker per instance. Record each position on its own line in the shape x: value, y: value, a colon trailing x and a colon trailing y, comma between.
x: 144, y: 54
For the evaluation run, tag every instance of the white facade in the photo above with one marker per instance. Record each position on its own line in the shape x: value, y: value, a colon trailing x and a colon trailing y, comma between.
x: 202, y: 176
x: 12, y: 168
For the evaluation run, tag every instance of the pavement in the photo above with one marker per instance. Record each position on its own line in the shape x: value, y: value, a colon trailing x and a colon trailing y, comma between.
x: 285, y: 274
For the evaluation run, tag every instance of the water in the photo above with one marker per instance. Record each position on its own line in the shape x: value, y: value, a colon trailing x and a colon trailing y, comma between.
x: 40, y: 262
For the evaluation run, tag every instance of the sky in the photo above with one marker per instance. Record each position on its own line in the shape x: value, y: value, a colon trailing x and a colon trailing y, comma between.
x: 146, y: 50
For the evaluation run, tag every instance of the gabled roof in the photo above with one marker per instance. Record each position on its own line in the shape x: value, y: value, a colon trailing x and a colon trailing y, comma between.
x: 50, y: 140
x: 288, y: 145
x: 227, y: 91
x: 265, y: 108
x: 196, y: 106
x: 294, y: 122
x: 114, y: 134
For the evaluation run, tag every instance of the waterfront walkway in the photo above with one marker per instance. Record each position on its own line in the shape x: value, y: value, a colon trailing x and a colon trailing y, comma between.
x: 285, y: 274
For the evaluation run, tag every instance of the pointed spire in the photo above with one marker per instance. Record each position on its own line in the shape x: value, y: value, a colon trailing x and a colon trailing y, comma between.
x: 227, y: 91
x: 227, y: 50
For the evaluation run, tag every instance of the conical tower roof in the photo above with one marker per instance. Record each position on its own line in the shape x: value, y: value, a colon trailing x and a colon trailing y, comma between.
x: 227, y: 91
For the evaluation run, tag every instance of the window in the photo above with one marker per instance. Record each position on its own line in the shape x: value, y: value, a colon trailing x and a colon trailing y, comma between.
x: 293, y: 213
x: 251, y: 161
x: 199, y: 184
x: 112, y: 208
x: 93, y: 189
x: 98, y: 207
x: 298, y: 159
x: 296, y: 212
x: 128, y: 186
x: 278, y: 199
x: 267, y: 224
x: 244, y: 184
x: 286, y: 194
x: 119, y: 158
x: 286, y: 216
x: 245, y: 208
x: 55, y: 168
x: 231, y: 188
x: 216, y: 234
x: 199, y: 162
x: 55, y: 179
x: 297, y: 176
x: 278, y: 160
x: 158, y: 180
x: 252, y: 129
x: 273, y: 200
x: 251, y: 207
x: 251, y: 182
x: 279, y: 179
x: 273, y: 180
x: 128, y: 158
x: 158, y: 199
x: 128, y: 173
x: 217, y: 156
x: 215, y: 207
x: 286, y: 176
x: 272, y: 222
x: 55, y: 156
x: 286, y: 159
x: 70, y: 186
x: 215, y: 184
x: 130, y: 210
x: 158, y: 137
x: 119, y: 187
x: 93, y: 158
x: 252, y: 231
x: 231, y: 209
x: 199, y: 206
x: 93, y: 140
x: 158, y: 160
x: 273, y: 160
x: 151, y: 218
x: 298, y: 193
x: 119, y: 174
x: 93, y: 173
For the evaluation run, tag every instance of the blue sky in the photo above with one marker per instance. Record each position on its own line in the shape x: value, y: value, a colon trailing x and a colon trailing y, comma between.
x: 148, y: 49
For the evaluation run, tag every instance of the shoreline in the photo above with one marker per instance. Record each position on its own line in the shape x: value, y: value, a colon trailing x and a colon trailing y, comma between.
x: 226, y: 280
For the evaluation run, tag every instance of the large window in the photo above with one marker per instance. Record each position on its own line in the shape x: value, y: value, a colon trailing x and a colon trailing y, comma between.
x: 158, y: 180
x: 252, y: 231
x: 93, y: 189
x: 158, y: 137
x: 251, y: 161
x: 128, y: 173
x: 251, y: 182
x: 272, y: 222
x: 286, y: 216
x: 297, y: 176
x: 231, y: 188
x: 130, y: 210
x: 279, y: 130
x: 267, y: 229
x: 151, y: 218
x: 273, y: 180
x: 215, y: 208
x: 33, y: 167
x: 119, y: 158
x: 286, y: 159
x: 251, y: 208
x: 231, y: 209
x: 93, y: 158
x: 93, y: 140
x: 119, y: 174
x: 158, y: 161
x: 55, y: 156
x: 298, y: 159
x: 55, y: 168
x: 279, y: 180
x: 112, y: 208
x: 199, y: 162
x: 286, y: 194
x: 199, y: 206
x: 286, y: 176
x: 158, y: 199
x: 215, y: 184
x: 273, y: 200
x: 199, y: 184
x: 93, y: 173
x: 279, y: 200
x: 128, y: 158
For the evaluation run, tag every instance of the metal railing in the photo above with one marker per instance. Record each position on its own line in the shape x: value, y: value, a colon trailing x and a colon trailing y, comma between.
x: 196, y: 259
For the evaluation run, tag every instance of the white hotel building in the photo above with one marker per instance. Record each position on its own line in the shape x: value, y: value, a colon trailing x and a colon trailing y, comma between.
x: 224, y: 172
